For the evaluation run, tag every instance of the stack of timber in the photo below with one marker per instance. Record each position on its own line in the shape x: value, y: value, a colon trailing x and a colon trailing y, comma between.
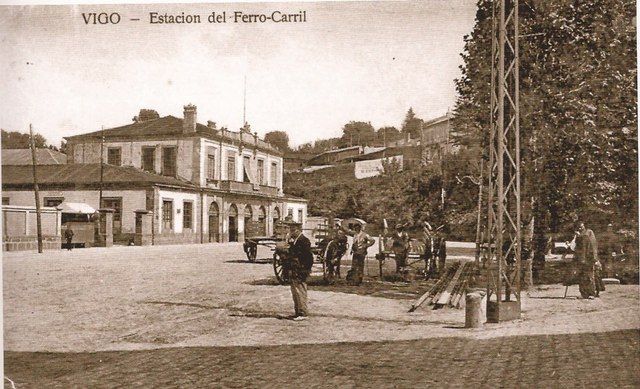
x: 449, y: 289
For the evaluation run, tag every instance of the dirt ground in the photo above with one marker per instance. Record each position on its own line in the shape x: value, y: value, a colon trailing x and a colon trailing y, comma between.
x: 140, y: 298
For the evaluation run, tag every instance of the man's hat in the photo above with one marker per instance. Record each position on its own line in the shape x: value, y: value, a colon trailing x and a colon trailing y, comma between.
x: 292, y: 223
x: 399, y: 226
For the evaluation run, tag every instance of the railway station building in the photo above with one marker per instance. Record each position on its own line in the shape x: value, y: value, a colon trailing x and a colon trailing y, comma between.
x: 199, y: 183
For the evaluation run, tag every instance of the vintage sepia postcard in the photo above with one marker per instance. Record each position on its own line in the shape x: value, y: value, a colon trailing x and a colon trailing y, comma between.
x: 320, y: 194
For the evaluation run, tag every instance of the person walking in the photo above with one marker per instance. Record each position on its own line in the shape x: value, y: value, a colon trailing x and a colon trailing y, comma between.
x: 302, y: 262
x: 68, y: 236
x: 361, y: 242
x: 586, y: 256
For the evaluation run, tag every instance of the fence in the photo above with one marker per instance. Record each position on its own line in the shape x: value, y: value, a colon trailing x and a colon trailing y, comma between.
x: 19, y: 231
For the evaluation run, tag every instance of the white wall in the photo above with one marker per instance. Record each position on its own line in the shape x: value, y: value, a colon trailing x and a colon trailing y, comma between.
x: 132, y: 200
x: 227, y: 149
x: 295, y: 207
x: 178, y: 199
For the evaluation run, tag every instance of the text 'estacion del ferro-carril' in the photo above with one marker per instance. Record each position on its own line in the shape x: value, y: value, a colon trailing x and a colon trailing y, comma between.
x: 228, y: 17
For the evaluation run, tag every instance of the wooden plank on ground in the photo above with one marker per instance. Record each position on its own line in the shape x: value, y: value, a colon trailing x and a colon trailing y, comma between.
x: 446, y: 295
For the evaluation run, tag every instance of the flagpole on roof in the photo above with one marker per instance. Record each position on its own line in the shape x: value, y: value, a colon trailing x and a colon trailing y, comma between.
x: 36, y: 189
x: 244, y: 103
x: 101, y: 164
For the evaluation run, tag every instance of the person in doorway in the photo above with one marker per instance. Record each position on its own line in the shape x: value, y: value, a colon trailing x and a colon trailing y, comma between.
x: 361, y: 242
x: 400, y: 247
x: 68, y: 237
x: 586, y: 256
x: 302, y: 262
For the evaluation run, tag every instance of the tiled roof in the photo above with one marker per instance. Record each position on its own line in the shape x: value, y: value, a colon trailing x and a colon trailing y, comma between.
x: 170, y: 126
x: 23, y: 157
x: 83, y: 174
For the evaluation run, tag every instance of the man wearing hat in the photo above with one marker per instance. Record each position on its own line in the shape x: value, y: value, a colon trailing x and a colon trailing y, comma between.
x: 361, y: 242
x: 400, y: 247
x: 302, y: 262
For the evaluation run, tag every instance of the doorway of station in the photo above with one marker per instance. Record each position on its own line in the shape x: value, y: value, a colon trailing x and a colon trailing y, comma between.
x: 233, y: 223
x: 214, y: 223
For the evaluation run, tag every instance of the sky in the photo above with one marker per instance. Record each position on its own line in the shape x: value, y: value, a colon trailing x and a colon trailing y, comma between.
x: 362, y: 61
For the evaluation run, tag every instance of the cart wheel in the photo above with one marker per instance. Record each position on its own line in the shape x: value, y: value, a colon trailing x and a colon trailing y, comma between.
x: 279, y: 270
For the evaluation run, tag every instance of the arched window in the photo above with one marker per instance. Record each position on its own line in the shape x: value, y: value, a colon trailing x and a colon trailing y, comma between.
x: 213, y: 209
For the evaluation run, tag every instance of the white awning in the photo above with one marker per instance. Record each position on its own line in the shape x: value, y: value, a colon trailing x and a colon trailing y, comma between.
x: 248, y: 175
x: 76, y: 208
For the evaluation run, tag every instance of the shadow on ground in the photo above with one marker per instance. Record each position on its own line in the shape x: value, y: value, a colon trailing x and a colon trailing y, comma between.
x: 262, y: 261
x: 392, y: 286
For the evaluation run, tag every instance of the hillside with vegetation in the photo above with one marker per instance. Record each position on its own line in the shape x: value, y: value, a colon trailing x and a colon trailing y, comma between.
x: 410, y: 196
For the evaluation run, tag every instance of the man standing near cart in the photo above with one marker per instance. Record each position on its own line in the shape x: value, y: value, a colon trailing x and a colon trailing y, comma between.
x: 440, y: 252
x: 400, y: 247
x: 361, y: 242
x: 427, y: 255
x: 302, y: 262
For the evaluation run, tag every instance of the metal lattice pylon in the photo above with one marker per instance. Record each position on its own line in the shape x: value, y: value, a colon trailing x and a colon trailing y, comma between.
x: 503, y: 202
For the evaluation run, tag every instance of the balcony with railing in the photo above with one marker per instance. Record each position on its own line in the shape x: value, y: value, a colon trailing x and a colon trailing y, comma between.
x: 248, y: 187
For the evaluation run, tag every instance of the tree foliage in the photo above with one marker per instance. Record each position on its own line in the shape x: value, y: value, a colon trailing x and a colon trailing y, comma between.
x: 278, y: 139
x: 387, y: 134
x: 18, y: 140
x: 412, y: 124
x: 578, y: 108
x: 357, y: 133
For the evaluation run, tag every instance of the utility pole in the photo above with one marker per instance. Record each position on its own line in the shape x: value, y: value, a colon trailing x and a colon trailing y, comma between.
x: 101, y: 165
x: 35, y: 189
x: 244, y: 103
x: 479, y: 221
x: 503, y: 204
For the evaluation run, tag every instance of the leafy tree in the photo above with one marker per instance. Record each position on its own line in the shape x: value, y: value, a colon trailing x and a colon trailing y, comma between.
x: 146, y: 114
x: 18, y: 140
x: 412, y: 125
x: 357, y: 133
x: 577, y: 108
x: 278, y: 139
x: 387, y: 134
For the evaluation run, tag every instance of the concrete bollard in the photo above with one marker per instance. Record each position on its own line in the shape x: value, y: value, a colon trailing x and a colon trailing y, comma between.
x: 473, y: 301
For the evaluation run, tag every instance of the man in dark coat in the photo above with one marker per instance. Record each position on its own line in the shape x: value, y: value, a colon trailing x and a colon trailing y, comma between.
x: 302, y: 262
x: 68, y: 236
x: 586, y: 256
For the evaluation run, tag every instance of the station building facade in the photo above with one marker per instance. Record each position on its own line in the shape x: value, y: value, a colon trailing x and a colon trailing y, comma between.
x: 200, y: 183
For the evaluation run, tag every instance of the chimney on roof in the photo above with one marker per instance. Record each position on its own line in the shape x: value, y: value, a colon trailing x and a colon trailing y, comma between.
x: 190, y: 118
